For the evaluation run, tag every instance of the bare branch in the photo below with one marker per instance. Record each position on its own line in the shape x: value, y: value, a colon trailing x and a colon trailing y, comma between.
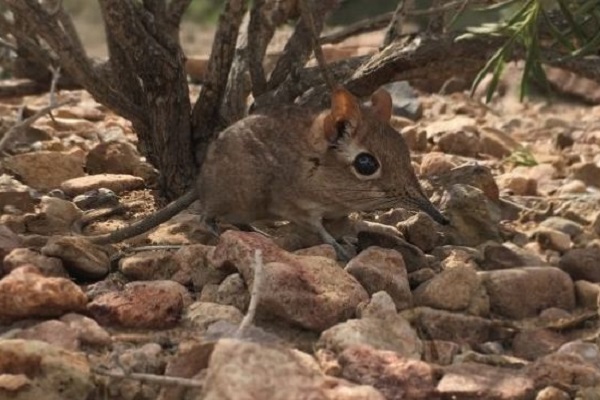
x: 205, y: 115
x: 175, y: 11
x: 265, y: 17
x: 298, y: 48
x: 306, y: 7
x: 233, y: 106
x: 150, y: 378
x: 366, y: 25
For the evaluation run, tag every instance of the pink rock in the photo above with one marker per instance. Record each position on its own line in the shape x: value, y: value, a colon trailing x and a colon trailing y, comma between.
x: 379, y: 269
x: 310, y: 291
x: 26, y: 293
x: 472, y: 380
x: 394, y: 376
x: 153, y: 305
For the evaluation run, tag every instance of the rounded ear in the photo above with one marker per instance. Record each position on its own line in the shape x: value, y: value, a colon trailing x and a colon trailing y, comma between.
x: 382, y: 104
x: 344, y: 116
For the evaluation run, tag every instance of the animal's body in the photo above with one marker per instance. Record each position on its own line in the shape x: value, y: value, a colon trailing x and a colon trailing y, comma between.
x: 302, y: 166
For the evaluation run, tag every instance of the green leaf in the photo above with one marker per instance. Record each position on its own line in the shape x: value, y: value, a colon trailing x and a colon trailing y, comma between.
x: 572, y: 22
x: 560, y: 37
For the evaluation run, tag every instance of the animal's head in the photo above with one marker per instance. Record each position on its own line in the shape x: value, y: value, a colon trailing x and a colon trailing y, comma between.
x: 365, y: 161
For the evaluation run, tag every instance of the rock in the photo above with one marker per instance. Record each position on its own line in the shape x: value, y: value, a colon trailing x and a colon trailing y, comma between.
x: 421, y: 231
x: 191, y: 358
x: 114, y: 182
x: 381, y: 305
x: 571, y: 187
x: 404, y: 99
x: 582, y: 264
x: 392, y: 333
x: 449, y: 326
x: 83, y: 259
x: 473, y: 380
x: 418, y: 277
x: 414, y: 258
x: 564, y: 370
x: 587, y: 172
x: 474, y: 218
x: 462, y: 143
x: 552, y: 239
x: 45, y: 170
x: 151, y: 305
x: 524, y: 292
x: 88, y: 331
x: 587, y: 294
x: 454, y: 289
x: 149, y: 265
x: 527, y: 257
x: 518, y: 185
x: 496, y: 143
x: 588, y: 352
x: 26, y: 293
x: 233, y: 292
x: 379, y: 269
x: 51, y: 373
x: 115, y: 157
x: 533, y: 344
x: 552, y: 393
x: 202, y: 314
x: 48, y: 266
x: 96, y: 198
x: 435, y: 163
x: 53, y: 332
x: 312, y: 292
x: 8, y: 241
x: 55, y: 216
x: 14, y: 194
x: 273, y: 372
x: 440, y: 352
x: 396, y: 377
x: 415, y: 139
x: 475, y: 175
x: 500, y: 256
x: 563, y: 225
x: 195, y: 260
x: 322, y: 250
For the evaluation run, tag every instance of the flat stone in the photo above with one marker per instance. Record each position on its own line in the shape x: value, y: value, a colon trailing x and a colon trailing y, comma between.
x: 51, y: 372
x: 524, y: 292
x: 309, y: 291
x: 396, y: 377
x: 26, y: 293
x: 379, y: 269
x: 83, y: 259
x: 150, y: 305
x: 118, y: 183
x: 393, y: 333
x: 471, y: 380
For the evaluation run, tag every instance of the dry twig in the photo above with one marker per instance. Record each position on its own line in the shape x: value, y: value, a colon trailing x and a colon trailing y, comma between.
x: 254, y: 294
x: 150, y: 378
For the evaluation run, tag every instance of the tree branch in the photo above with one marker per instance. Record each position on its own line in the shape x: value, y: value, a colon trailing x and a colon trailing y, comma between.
x: 206, y: 120
x: 298, y: 48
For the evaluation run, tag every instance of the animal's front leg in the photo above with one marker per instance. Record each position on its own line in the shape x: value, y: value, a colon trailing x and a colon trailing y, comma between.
x: 317, y: 226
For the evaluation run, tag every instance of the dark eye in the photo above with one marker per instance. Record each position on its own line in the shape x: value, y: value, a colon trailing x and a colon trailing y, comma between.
x: 365, y: 164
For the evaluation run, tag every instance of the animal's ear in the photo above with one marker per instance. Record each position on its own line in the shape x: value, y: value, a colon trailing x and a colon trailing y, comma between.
x: 344, y: 116
x: 381, y: 104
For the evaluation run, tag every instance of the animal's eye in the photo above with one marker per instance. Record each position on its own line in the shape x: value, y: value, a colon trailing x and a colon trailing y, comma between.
x: 365, y: 164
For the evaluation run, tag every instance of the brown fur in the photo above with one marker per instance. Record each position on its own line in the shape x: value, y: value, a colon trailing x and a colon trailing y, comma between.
x: 297, y: 165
